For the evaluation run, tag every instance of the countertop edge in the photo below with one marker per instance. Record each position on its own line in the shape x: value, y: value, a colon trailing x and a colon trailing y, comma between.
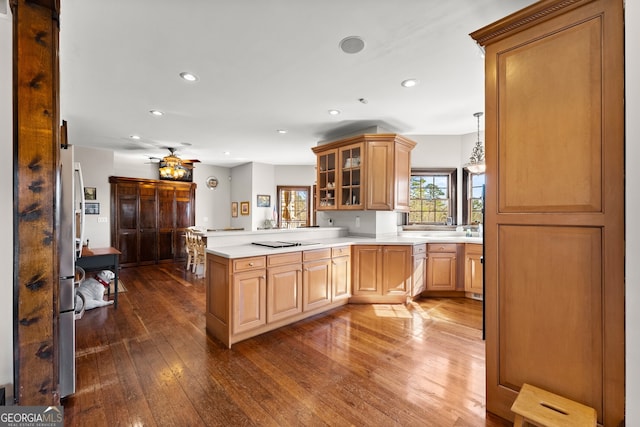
x: 249, y: 250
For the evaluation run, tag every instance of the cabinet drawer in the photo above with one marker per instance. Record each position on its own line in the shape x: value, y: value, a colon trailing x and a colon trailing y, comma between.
x: 282, y: 259
x: 473, y: 248
x: 252, y: 263
x: 316, y: 254
x: 340, y: 251
x: 419, y: 249
x: 442, y: 247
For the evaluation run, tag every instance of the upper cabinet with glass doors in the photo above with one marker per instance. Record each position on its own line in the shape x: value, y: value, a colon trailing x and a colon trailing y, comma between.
x: 366, y: 172
x: 327, y: 180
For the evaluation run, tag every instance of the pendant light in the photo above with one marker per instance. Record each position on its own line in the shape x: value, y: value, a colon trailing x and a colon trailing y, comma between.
x: 476, y: 161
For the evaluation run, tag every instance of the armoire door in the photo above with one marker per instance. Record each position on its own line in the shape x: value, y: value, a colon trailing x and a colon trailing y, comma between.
x: 185, y: 213
x: 166, y: 222
x: 554, y: 212
x: 125, y: 230
x: 147, y: 224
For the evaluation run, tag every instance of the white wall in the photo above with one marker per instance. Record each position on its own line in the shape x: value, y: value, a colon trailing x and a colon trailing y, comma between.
x: 295, y: 175
x: 97, y: 166
x: 6, y: 194
x: 213, y: 206
x: 241, y: 182
x: 632, y: 60
x: 263, y: 182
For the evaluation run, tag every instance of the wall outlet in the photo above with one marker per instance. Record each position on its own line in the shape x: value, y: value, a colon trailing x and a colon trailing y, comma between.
x: 102, y: 219
x: 357, y: 222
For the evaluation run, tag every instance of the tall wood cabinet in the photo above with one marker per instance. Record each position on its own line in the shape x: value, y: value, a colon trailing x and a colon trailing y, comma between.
x: 149, y: 218
x: 554, y: 213
x: 370, y: 171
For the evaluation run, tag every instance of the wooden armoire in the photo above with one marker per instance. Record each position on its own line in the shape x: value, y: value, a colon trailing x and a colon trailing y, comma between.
x: 554, y: 213
x: 149, y: 218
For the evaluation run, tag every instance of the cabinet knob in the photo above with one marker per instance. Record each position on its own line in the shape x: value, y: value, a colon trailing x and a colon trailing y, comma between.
x: 250, y: 264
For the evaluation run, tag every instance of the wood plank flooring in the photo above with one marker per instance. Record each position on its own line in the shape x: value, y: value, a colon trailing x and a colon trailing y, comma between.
x: 150, y: 363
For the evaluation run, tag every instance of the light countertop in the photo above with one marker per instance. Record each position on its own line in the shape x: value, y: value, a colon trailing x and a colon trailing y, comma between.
x: 250, y: 250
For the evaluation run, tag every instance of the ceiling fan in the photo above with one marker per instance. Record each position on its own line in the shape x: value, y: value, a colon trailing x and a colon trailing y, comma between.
x: 174, y: 168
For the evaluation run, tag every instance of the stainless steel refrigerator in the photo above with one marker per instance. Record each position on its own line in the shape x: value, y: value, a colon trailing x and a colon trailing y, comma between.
x: 71, y: 229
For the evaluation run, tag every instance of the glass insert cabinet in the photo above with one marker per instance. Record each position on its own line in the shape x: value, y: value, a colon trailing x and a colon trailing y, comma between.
x: 369, y: 171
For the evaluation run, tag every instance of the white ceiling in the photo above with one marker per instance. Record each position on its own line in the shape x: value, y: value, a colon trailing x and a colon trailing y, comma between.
x: 265, y: 65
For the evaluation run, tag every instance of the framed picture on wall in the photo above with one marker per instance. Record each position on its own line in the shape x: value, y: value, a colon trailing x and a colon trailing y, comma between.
x: 92, y: 208
x: 90, y: 193
x: 244, y: 208
x: 264, y: 200
x: 234, y: 209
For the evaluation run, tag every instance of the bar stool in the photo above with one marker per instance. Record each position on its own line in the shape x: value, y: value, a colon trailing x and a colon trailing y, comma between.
x: 190, y: 248
x: 541, y: 408
x: 200, y: 254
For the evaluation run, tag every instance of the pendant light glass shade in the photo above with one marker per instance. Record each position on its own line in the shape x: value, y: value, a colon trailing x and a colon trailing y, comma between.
x: 476, y: 161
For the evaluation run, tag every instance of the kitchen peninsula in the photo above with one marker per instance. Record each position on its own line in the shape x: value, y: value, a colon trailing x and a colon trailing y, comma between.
x: 253, y: 288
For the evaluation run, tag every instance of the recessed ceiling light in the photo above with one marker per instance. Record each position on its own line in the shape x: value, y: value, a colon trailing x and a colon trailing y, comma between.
x: 351, y: 44
x: 188, y: 76
x: 227, y: 153
x: 409, y: 82
x: 334, y: 112
x: 135, y: 137
x: 281, y: 131
x: 157, y: 113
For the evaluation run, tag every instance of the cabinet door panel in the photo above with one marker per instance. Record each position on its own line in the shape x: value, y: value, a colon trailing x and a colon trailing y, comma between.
x: 396, y: 272
x: 317, y: 284
x: 341, y: 277
x: 166, y: 208
x: 441, y: 271
x: 128, y: 247
x: 402, y: 177
x: 249, y: 301
x: 380, y: 175
x: 473, y: 277
x: 128, y: 213
x: 367, y: 270
x: 419, y: 277
x: 148, y: 249
x: 165, y: 246
x: 284, y: 293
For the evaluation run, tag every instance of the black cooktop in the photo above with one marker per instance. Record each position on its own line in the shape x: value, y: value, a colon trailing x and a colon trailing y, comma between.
x: 277, y: 244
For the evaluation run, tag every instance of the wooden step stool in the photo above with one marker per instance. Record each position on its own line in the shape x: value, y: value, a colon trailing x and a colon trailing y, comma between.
x: 544, y: 409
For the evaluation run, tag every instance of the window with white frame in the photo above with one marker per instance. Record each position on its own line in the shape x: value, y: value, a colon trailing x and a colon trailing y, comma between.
x: 432, y: 196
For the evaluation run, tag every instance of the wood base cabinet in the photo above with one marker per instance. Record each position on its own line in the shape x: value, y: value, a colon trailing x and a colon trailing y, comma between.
x: 442, y: 267
x: 340, y: 273
x: 284, y: 286
x: 246, y: 297
x: 473, y: 270
x: 381, y: 273
x: 316, y: 278
x: 554, y: 205
x: 419, y: 273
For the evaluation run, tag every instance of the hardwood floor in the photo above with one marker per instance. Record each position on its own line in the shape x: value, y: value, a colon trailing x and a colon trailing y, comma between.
x: 150, y: 363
